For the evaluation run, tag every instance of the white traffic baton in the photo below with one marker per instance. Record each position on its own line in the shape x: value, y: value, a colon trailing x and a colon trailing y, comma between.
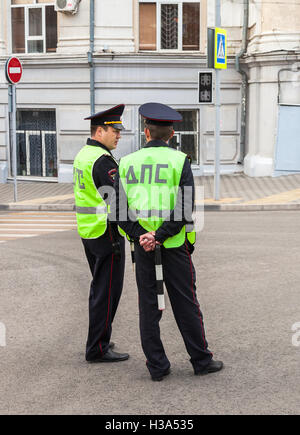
x: 159, y: 279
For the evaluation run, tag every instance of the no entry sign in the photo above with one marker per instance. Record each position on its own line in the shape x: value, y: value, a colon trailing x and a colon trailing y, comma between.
x: 13, y: 70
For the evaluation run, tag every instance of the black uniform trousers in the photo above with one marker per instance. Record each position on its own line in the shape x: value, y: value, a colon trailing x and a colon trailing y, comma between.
x: 179, y: 277
x: 105, y: 290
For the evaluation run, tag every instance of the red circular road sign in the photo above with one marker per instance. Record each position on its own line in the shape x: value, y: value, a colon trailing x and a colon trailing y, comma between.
x: 13, y: 70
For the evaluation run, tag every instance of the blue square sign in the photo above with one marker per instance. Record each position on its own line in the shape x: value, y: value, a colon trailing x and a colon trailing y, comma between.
x: 220, y: 48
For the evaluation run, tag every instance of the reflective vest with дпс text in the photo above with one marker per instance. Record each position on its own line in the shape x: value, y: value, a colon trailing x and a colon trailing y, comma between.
x: 150, y: 178
x: 91, y: 209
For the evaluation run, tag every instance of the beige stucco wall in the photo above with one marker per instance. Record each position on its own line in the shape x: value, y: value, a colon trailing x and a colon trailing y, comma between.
x: 73, y: 30
x: 274, y: 26
x: 280, y: 15
x: 114, y: 32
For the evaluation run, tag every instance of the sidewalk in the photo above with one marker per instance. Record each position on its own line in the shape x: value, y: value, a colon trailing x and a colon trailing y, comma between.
x: 237, y: 192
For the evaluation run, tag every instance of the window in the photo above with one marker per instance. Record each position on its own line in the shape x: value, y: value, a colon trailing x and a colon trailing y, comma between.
x: 186, y: 134
x: 36, y: 143
x: 34, y: 26
x: 169, y: 25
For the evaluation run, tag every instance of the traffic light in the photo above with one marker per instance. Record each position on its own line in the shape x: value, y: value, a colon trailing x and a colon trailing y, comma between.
x: 206, y: 87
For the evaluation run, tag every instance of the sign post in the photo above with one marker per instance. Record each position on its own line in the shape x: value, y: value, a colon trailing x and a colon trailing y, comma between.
x: 13, y: 72
x: 220, y: 62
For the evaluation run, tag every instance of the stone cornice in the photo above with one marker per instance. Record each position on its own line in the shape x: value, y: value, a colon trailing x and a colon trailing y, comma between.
x: 57, y: 60
x: 276, y: 58
x: 153, y: 60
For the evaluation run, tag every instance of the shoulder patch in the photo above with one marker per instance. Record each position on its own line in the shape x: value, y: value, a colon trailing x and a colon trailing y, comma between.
x: 112, y: 173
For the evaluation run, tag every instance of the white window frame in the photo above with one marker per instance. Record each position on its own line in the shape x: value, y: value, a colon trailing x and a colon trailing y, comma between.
x: 27, y: 144
x: 26, y: 7
x: 158, y: 24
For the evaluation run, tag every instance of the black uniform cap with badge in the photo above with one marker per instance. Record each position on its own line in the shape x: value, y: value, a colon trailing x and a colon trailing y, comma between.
x: 159, y: 114
x: 110, y: 117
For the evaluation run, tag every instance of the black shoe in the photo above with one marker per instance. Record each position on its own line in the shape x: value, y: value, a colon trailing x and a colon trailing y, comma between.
x: 111, y: 345
x: 213, y: 366
x: 160, y: 378
x: 111, y: 356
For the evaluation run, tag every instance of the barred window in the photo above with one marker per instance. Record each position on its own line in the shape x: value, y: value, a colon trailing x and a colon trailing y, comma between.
x: 169, y: 25
x: 36, y: 143
x: 186, y: 134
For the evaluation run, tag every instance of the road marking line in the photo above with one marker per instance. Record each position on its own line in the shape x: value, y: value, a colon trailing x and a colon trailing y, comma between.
x: 36, y: 221
x: 220, y: 201
x: 17, y: 235
x: 44, y: 200
x: 32, y: 216
x: 44, y: 213
x: 7, y: 224
x: 38, y: 229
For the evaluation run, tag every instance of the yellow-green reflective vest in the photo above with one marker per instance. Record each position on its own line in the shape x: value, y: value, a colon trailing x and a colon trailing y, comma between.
x: 91, y: 209
x: 150, y: 178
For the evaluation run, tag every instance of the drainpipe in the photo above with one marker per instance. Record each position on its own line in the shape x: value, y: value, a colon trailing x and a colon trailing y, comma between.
x: 90, y: 56
x: 244, y: 80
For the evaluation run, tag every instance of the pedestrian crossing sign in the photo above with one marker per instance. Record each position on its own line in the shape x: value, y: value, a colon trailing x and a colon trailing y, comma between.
x: 220, y: 48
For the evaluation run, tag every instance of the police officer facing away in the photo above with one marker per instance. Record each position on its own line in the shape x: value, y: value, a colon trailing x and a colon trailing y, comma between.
x: 152, y: 181
x: 94, y: 170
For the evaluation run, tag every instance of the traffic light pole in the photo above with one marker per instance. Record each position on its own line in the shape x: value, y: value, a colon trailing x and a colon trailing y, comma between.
x: 218, y: 116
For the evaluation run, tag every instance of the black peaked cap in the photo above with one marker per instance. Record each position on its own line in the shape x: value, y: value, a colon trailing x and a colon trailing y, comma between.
x: 159, y: 114
x: 110, y: 117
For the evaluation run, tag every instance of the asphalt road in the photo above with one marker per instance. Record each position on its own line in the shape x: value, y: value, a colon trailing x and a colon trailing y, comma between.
x: 248, y: 279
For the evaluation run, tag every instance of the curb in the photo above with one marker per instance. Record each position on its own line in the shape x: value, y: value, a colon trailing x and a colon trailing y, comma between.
x: 37, y: 207
x: 251, y: 207
x: 207, y: 207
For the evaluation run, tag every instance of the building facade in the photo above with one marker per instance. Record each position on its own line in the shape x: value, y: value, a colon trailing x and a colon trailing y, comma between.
x: 109, y: 52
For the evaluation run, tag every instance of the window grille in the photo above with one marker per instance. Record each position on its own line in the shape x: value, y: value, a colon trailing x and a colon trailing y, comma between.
x: 169, y: 25
x: 36, y: 143
x: 186, y: 134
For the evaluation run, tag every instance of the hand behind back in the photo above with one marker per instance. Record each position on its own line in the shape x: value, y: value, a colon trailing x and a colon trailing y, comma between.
x: 148, y: 242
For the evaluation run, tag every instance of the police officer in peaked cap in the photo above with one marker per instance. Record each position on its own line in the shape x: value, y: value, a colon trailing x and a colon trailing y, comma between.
x: 94, y: 172
x: 160, y: 224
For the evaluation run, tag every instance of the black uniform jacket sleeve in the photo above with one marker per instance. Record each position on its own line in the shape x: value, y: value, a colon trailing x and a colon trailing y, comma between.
x: 105, y: 168
x: 119, y: 212
x: 180, y: 216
